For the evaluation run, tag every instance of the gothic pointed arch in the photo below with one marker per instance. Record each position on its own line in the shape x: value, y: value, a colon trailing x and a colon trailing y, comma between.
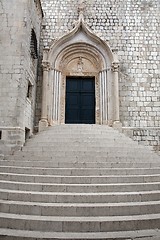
x: 81, y: 35
x: 80, y: 52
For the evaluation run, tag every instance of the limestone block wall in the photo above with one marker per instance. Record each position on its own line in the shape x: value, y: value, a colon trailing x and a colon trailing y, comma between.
x: 17, y: 68
x: 131, y: 27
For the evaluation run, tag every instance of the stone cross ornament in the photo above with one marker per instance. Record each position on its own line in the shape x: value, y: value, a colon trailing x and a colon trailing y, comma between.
x: 81, y: 6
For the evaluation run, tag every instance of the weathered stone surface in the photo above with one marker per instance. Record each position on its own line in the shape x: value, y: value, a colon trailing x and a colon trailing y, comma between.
x: 104, y: 186
x: 129, y: 27
x: 17, y: 68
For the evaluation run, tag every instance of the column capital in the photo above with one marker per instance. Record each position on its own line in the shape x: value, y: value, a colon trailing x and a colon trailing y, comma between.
x: 46, y: 66
x: 115, y: 66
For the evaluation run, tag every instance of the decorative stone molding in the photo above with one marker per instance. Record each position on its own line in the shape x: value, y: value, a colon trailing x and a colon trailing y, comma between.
x: 46, y: 66
x: 80, y: 64
x: 115, y: 66
x: 115, y: 63
x: 39, y: 7
x: 80, y: 53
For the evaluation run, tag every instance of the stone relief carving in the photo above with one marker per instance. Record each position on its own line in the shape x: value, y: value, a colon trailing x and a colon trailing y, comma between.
x: 80, y: 65
x: 115, y: 63
x: 115, y: 66
x: 46, y: 66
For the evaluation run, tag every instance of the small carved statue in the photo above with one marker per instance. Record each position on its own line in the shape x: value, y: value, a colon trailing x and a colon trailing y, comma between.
x: 80, y: 65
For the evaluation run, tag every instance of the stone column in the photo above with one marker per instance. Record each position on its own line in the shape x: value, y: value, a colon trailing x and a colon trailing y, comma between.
x: 103, y: 97
x: 56, y: 96
x: 100, y: 96
x: 116, y: 120
x: 44, y: 121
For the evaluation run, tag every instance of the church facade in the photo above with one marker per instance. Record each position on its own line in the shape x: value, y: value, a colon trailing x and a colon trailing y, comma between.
x: 74, y: 62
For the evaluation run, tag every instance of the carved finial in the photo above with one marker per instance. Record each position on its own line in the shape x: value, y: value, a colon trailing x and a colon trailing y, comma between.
x: 81, y: 8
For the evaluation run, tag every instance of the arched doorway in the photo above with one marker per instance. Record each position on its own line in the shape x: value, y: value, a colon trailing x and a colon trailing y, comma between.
x: 80, y: 54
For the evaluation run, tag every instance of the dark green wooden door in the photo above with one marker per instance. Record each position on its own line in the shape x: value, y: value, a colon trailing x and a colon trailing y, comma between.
x: 80, y: 100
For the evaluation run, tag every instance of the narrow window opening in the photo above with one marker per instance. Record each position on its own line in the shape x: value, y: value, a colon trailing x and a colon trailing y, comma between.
x: 27, y: 133
x: 0, y: 135
x: 33, y: 45
x: 29, y: 90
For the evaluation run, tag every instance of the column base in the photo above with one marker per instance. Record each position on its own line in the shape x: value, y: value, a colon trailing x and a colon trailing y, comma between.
x: 117, y: 125
x: 43, y: 124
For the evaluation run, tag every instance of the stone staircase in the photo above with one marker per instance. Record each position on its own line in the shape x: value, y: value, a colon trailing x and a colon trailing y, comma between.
x: 80, y: 182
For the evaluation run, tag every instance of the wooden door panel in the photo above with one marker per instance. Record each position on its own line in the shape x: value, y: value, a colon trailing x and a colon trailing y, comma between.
x: 80, y: 100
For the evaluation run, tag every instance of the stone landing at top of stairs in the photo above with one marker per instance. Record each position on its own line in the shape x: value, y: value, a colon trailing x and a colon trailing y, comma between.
x: 80, y: 182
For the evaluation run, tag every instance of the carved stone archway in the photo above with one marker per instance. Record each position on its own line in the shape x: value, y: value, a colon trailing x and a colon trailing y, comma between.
x: 79, y: 53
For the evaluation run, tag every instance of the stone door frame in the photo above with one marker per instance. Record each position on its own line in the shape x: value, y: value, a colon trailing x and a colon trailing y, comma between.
x: 79, y: 53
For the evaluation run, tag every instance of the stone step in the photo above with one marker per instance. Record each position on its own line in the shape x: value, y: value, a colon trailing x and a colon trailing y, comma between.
x: 111, y: 153
x: 106, y: 149
x: 79, y: 209
x: 12, y: 234
x: 79, y: 224
x: 83, y: 145
x: 68, y: 197
x: 75, y: 164
x: 83, y: 158
x: 89, y: 141
x: 75, y: 135
x: 79, y: 128
x: 79, y: 179
x: 80, y: 188
x: 89, y: 138
x: 81, y: 134
x: 79, y: 171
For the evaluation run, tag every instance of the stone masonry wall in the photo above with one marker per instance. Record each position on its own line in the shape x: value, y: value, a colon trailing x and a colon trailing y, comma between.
x: 17, y: 68
x: 132, y: 27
